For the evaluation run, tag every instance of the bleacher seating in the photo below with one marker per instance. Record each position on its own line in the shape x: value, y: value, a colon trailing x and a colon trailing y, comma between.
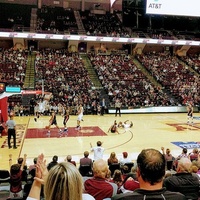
x: 56, y: 20
x: 85, y: 170
x: 173, y: 75
x: 103, y: 25
x: 12, y: 69
x: 122, y: 79
x: 113, y: 167
x: 66, y: 77
x: 15, y: 16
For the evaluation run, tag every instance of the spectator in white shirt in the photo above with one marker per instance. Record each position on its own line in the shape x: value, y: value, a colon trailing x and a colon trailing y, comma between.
x: 98, y: 150
x: 125, y: 159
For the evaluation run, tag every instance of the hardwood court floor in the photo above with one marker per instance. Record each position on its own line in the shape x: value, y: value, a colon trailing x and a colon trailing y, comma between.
x: 148, y: 131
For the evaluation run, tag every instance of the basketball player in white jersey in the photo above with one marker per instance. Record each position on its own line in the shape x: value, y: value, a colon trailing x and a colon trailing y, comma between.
x: 80, y: 116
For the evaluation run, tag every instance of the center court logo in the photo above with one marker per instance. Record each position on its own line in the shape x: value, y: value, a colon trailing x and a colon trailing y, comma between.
x: 187, y: 145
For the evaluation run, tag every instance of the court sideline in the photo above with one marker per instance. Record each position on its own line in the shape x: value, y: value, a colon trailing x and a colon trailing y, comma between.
x: 148, y: 131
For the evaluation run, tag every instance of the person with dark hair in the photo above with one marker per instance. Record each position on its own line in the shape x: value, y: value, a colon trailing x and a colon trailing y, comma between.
x: 32, y: 105
x: 113, y: 128
x: 98, y: 150
x: 53, y: 162
x: 34, y: 164
x: 66, y: 117
x: 32, y: 173
x: 117, y: 178
x: 118, y: 105
x: 11, y: 129
x: 150, y: 174
x: 52, y: 121
x: 184, y: 154
x: 103, y: 106
x: 167, y: 154
x: 24, y: 171
x: 16, y: 177
x: 36, y: 112
x: 189, y: 113
x: 169, y: 158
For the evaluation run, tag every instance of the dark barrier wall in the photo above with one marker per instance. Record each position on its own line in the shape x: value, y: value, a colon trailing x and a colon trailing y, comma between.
x: 163, y: 109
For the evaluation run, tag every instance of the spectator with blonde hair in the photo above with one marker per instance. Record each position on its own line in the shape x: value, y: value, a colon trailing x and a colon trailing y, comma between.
x: 62, y: 182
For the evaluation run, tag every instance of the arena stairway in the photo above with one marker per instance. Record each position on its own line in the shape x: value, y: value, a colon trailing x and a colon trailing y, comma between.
x: 81, y: 29
x: 95, y: 78
x: 91, y: 71
x: 29, y: 82
x: 186, y: 65
x: 146, y: 73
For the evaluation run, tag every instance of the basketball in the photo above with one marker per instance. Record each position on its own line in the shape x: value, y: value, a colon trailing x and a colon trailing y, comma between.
x: 47, y: 127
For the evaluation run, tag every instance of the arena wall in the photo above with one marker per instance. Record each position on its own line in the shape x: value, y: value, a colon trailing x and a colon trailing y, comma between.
x: 161, y: 109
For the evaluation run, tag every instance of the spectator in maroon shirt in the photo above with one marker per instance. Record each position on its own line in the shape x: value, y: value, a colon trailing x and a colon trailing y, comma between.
x: 69, y: 159
x: 98, y: 186
x: 194, y: 154
x: 85, y: 160
x: 86, y: 164
x: 16, y: 178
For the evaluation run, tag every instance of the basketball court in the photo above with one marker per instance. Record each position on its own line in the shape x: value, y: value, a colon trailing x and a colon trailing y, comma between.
x: 149, y: 131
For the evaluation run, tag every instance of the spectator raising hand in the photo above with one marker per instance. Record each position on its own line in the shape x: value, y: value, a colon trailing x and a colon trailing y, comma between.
x: 41, y: 169
x: 40, y: 176
x: 62, y: 181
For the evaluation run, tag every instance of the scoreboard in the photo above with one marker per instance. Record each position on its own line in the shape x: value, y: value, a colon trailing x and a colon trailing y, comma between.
x: 173, y: 7
x: 9, y: 88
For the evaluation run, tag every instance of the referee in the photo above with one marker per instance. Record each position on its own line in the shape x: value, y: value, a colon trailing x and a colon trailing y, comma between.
x: 118, y: 105
x: 10, y: 125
